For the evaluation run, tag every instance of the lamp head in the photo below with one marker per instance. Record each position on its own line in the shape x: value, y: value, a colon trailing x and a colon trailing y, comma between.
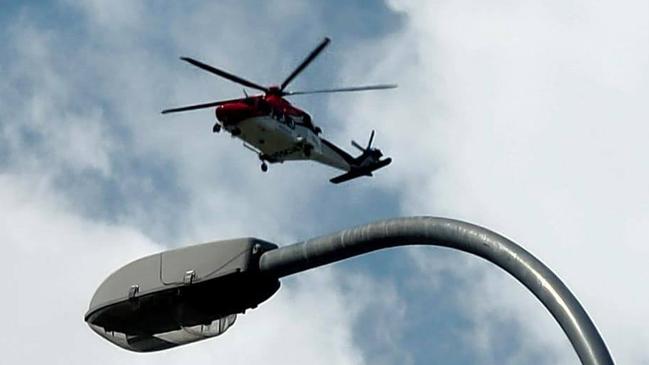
x: 180, y: 296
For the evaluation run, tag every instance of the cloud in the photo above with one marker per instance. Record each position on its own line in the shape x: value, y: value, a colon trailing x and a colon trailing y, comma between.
x: 527, y: 118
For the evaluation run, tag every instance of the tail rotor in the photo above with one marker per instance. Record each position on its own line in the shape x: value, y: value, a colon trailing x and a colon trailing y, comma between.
x: 369, y: 143
x: 368, y: 161
x: 374, y: 154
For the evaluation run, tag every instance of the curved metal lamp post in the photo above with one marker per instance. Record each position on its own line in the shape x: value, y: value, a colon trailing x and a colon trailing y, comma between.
x: 273, y: 263
x: 462, y: 236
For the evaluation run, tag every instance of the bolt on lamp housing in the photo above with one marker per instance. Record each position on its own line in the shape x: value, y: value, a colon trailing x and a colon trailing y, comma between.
x: 180, y: 296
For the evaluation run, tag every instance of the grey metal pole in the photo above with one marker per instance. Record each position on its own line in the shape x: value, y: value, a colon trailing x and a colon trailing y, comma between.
x: 509, y: 256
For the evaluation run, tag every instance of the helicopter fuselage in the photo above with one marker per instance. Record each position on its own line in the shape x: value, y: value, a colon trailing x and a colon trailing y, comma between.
x: 277, y: 131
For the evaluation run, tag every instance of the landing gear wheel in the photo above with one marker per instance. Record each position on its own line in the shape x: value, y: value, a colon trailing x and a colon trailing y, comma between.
x: 307, y: 150
x: 216, y: 128
x: 264, y: 167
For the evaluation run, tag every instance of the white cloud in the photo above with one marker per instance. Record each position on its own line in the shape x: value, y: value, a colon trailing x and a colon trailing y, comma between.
x: 528, y: 118
x: 42, y: 119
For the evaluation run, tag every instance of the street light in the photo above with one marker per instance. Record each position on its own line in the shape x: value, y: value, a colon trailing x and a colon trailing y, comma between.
x: 193, y: 293
x: 180, y: 296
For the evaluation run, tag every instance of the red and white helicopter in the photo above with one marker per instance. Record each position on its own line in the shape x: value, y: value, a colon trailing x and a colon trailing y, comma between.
x: 278, y: 131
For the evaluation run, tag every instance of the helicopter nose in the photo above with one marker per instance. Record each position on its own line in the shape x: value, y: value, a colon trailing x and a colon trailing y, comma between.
x: 221, y: 114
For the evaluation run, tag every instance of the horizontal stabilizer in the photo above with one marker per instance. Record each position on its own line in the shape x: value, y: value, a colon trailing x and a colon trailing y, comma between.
x: 360, y: 171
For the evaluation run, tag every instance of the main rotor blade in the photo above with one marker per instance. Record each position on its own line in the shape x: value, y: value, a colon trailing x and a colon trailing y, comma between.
x: 224, y: 74
x: 197, y: 106
x: 306, y: 62
x: 343, y: 89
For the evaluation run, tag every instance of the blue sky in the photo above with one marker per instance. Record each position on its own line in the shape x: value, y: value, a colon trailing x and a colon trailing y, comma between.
x: 526, y: 118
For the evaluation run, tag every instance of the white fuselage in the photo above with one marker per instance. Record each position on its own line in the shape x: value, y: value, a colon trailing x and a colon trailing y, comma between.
x: 282, y: 140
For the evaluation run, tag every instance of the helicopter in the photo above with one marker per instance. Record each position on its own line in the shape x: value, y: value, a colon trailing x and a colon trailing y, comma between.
x: 277, y: 131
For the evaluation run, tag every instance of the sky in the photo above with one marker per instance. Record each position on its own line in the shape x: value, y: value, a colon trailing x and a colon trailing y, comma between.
x: 528, y: 118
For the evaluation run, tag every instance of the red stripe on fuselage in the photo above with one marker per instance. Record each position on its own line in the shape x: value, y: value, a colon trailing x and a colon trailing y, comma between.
x: 236, y: 111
